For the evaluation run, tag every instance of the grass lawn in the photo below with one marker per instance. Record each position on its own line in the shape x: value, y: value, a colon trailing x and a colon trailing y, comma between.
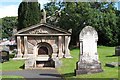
x: 105, y: 56
x: 7, y: 77
x: 11, y: 65
x: 69, y: 65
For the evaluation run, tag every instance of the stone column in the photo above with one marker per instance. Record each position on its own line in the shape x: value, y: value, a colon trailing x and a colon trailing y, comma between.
x: 67, y: 51
x: 60, y: 53
x: 35, y: 53
x: 25, y: 47
x: 55, y: 49
x: 19, y: 54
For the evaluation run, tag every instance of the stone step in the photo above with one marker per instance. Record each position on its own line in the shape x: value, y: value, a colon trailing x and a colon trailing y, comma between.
x: 42, y: 58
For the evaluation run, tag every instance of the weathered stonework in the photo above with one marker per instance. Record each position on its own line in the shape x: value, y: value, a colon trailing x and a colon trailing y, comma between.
x: 44, y: 42
x: 88, y: 62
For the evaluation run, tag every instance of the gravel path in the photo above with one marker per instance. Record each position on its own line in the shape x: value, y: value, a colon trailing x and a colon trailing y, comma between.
x: 36, y: 73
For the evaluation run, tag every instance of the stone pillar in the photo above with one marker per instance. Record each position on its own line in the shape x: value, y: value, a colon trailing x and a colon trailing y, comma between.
x: 60, y: 53
x: 67, y: 51
x: 35, y: 53
x: 55, y: 50
x: 19, y: 54
x: 25, y: 47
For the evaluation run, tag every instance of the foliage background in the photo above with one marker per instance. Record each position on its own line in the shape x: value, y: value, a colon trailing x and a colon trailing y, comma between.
x: 28, y: 14
x: 103, y: 16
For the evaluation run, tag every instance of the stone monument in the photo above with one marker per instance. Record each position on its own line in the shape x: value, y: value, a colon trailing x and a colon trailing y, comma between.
x: 46, y: 43
x: 88, y: 62
x: 67, y: 41
x: 43, y: 20
x: 42, y: 44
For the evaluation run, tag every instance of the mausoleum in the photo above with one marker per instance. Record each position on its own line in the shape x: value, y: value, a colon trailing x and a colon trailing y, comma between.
x: 42, y: 43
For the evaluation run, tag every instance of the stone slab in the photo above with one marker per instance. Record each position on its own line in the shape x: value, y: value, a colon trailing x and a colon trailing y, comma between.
x: 113, y: 64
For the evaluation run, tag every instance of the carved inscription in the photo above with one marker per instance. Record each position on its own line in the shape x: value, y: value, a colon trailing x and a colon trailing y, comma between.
x: 39, y: 31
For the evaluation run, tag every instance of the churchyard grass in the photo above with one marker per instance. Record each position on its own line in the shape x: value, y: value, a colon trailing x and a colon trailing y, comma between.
x: 105, y: 56
x: 69, y: 65
x: 11, y: 65
x: 7, y: 77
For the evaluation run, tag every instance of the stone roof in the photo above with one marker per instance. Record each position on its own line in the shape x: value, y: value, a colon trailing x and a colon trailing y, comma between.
x: 54, y: 28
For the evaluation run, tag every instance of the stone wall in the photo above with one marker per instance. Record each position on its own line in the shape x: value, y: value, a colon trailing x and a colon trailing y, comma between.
x: 34, y: 41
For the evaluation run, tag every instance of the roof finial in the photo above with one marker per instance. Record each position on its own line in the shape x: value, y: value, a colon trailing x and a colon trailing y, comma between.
x: 43, y: 20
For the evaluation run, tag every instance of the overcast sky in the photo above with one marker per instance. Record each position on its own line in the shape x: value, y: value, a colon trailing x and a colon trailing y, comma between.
x: 10, y: 7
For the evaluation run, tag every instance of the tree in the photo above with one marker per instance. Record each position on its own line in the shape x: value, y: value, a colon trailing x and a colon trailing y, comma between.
x: 76, y: 15
x: 104, y: 19
x: 0, y: 21
x: 53, y: 10
x: 118, y: 25
x: 8, y: 23
x: 28, y: 14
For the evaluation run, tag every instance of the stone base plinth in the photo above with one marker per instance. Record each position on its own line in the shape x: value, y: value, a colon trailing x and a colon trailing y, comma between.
x: 58, y: 63
x: 29, y: 63
x: 68, y: 56
x: 87, y: 71
x: 60, y: 55
x: 19, y: 55
x: 25, y: 56
x: 54, y: 55
x: 87, y: 68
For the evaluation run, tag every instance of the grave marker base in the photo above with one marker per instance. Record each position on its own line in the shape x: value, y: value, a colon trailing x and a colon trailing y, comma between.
x: 88, y: 68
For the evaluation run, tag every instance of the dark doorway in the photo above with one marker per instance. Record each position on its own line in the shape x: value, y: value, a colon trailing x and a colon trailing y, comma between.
x: 43, y: 51
x: 44, y: 59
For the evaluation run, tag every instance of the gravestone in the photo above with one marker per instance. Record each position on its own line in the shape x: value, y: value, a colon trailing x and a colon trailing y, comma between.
x: 117, y: 51
x: 88, y: 62
x: 4, y: 56
x: 113, y: 64
x: 4, y: 53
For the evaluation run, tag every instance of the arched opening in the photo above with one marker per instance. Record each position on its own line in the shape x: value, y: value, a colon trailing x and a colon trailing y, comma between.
x: 44, y: 48
x: 43, y: 51
x: 44, y: 56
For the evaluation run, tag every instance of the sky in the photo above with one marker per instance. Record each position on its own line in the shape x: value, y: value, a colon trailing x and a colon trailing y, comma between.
x: 10, y: 7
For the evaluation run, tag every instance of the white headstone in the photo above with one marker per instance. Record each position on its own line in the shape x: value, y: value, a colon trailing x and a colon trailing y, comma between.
x: 88, y: 62
x: 88, y: 45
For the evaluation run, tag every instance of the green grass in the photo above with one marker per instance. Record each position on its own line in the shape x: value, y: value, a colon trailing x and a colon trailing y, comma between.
x: 11, y: 65
x: 105, y: 56
x: 69, y: 65
x: 8, y: 76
